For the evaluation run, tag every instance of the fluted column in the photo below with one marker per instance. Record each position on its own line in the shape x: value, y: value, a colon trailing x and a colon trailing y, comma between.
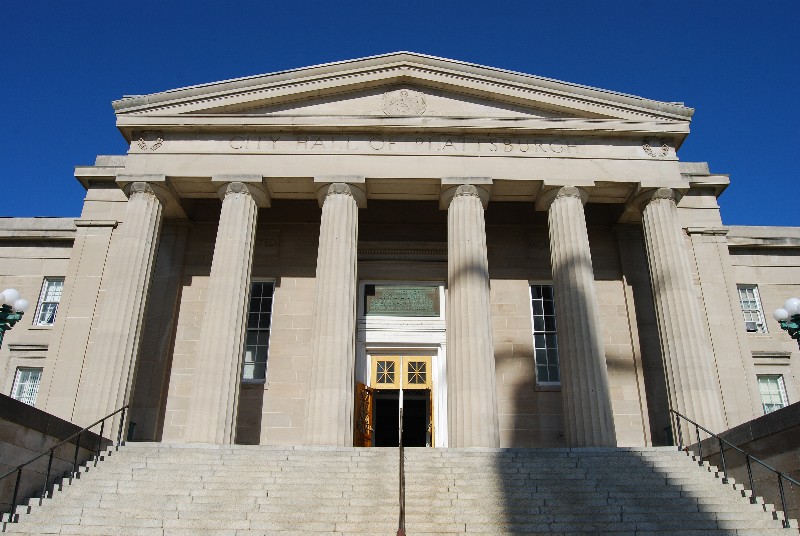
x: 217, y: 375
x: 471, y: 392
x: 330, y: 407
x: 691, y: 377
x: 589, y: 419
x: 108, y: 372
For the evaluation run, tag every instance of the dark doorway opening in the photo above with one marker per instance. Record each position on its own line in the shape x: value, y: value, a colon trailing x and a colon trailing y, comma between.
x: 416, y: 418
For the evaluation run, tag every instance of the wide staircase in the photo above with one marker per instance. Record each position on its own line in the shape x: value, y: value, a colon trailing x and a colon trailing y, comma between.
x: 149, y: 489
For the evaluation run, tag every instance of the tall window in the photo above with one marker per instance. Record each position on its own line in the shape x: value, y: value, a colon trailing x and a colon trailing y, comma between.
x: 545, y: 343
x: 26, y: 384
x: 259, y: 319
x: 751, y: 307
x: 773, y: 392
x: 49, y: 299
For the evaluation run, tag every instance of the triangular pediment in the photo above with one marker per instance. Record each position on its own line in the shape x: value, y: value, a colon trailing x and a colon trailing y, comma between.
x: 402, y: 100
x: 402, y: 91
x: 358, y: 87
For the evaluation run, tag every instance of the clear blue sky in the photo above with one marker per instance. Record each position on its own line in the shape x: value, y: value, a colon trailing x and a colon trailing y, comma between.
x: 737, y: 63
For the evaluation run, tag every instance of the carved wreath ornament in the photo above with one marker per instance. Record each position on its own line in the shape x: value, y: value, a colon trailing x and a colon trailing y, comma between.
x: 663, y: 152
x: 404, y: 102
x: 150, y: 139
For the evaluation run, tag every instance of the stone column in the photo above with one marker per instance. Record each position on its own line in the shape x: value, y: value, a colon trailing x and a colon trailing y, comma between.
x: 217, y: 375
x: 329, y: 419
x: 588, y: 416
x: 471, y: 392
x: 108, y: 372
x: 692, y: 382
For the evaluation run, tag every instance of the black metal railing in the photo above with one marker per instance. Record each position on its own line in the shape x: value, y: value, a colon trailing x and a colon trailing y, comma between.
x: 51, y: 453
x: 722, y: 443
x: 401, y: 525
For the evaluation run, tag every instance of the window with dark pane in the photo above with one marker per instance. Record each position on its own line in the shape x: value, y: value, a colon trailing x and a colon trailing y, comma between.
x: 385, y: 372
x: 545, y: 340
x: 417, y: 373
x: 259, y: 319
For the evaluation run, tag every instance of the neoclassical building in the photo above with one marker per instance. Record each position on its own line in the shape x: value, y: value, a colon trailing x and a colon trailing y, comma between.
x: 291, y: 258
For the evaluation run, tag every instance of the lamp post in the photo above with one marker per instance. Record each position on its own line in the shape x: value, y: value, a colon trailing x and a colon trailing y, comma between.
x: 789, y: 318
x: 11, y: 310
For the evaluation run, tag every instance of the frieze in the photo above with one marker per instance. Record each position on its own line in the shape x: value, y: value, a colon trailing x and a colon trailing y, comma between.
x: 513, y: 146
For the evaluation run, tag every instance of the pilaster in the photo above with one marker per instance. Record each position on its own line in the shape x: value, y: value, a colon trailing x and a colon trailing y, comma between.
x: 588, y: 414
x: 471, y: 391
x: 692, y: 382
x: 217, y: 376
x: 330, y: 407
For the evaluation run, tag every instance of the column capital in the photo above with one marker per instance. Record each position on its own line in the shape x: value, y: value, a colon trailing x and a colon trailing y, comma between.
x: 645, y: 196
x: 353, y: 185
x: 243, y: 184
x: 550, y: 194
x: 156, y: 185
x: 256, y: 191
x: 452, y: 187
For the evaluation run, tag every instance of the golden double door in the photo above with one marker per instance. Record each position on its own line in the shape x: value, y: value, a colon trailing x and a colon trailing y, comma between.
x: 396, y: 382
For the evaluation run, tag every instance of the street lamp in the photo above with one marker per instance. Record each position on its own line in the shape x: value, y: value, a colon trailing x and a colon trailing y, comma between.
x: 11, y: 310
x: 789, y: 318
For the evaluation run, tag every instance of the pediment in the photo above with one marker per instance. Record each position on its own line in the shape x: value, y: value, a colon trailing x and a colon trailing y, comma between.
x: 403, y: 100
x: 373, y: 87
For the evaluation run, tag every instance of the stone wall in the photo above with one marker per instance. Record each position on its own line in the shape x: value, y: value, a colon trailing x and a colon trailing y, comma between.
x: 26, y: 432
x: 774, y: 439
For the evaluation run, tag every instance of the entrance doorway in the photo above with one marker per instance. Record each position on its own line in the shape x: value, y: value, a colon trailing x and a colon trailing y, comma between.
x: 397, y: 382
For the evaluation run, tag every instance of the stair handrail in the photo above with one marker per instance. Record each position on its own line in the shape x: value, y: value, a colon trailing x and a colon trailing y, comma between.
x: 748, y: 457
x: 401, y: 525
x: 51, y: 451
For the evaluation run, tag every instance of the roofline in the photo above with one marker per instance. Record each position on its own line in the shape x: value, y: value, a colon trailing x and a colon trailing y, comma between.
x: 224, y: 86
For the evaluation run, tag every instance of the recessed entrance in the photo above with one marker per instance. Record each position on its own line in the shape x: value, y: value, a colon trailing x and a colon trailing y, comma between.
x: 397, y: 382
x: 416, y: 418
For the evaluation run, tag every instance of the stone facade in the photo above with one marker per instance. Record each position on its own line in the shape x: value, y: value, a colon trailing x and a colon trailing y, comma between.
x: 403, y: 173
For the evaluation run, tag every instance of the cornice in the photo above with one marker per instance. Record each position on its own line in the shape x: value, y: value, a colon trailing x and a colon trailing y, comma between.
x: 403, y: 67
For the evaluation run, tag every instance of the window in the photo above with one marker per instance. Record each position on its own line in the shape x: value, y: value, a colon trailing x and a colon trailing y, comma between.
x: 751, y: 307
x: 26, y: 384
x: 259, y: 318
x: 545, y: 343
x: 773, y: 392
x: 48, y: 301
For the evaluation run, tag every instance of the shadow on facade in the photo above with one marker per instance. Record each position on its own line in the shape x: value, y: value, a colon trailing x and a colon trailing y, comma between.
x: 595, y: 490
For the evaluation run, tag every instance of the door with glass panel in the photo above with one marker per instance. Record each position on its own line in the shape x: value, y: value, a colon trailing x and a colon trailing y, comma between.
x: 396, y: 382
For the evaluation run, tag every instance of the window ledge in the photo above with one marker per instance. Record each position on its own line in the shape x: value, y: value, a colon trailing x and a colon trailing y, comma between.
x: 252, y: 383
x: 548, y: 387
x: 38, y: 327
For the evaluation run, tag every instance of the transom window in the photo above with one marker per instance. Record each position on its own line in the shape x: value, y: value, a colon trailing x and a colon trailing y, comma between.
x: 259, y: 320
x: 773, y: 392
x: 49, y: 298
x: 545, y: 339
x: 26, y: 384
x: 751, y: 308
x: 417, y: 372
x: 385, y: 373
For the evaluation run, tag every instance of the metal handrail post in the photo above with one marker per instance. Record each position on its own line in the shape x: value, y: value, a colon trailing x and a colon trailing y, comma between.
x: 47, y: 477
x: 783, y: 501
x: 699, y: 446
x: 722, y: 460
x: 99, y: 442
x: 679, y: 432
x: 75, y: 459
x: 120, y: 427
x: 750, y: 476
x: 16, y: 491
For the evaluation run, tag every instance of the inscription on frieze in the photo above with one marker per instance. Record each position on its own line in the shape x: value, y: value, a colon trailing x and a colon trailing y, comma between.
x: 424, y: 144
x: 401, y: 300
